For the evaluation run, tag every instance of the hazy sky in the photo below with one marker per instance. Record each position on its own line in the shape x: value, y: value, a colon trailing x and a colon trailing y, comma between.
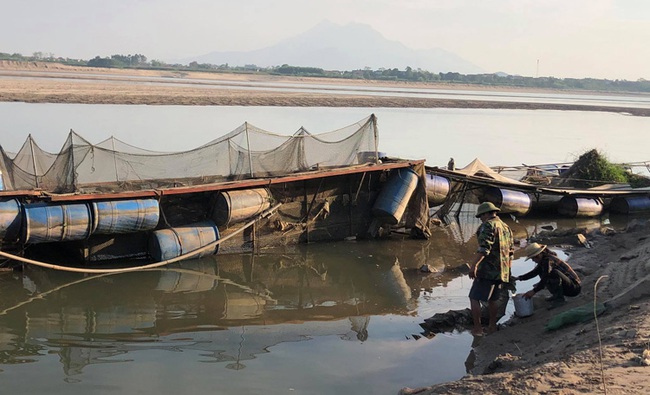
x: 570, y: 38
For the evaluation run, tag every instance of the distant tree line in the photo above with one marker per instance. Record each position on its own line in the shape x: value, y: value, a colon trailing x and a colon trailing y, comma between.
x: 139, y: 61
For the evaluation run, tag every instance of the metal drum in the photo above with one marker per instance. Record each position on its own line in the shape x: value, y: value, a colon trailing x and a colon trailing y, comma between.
x: 236, y: 206
x: 10, y: 220
x: 125, y: 216
x: 166, y: 244
x: 571, y: 206
x: 437, y: 189
x: 394, y: 197
x: 630, y: 204
x: 66, y: 222
x: 510, y: 202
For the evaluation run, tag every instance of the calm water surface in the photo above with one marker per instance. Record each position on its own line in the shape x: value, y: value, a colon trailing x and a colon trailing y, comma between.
x: 318, y: 319
x: 497, y: 137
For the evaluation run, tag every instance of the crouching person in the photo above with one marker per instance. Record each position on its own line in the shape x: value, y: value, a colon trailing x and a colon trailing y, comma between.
x: 554, y: 274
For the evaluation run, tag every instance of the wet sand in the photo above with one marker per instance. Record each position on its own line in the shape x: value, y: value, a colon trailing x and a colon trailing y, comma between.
x: 52, y: 83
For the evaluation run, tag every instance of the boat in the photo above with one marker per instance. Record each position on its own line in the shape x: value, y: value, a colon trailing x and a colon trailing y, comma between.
x: 249, y: 189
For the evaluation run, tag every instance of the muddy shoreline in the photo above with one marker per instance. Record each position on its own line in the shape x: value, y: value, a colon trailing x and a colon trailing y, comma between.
x: 524, y: 358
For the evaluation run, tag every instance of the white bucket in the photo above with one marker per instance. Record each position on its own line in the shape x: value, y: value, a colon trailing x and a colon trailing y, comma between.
x: 523, y: 306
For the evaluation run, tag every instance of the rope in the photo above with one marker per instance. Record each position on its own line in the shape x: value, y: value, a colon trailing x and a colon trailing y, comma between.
x: 600, y: 343
x: 144, y: 267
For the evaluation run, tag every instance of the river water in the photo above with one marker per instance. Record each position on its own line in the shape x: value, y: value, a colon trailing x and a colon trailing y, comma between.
x: 325, y: 318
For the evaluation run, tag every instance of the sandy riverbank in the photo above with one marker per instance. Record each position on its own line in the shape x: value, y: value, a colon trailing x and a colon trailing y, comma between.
x: 54, y: 83
x: 523, y: 358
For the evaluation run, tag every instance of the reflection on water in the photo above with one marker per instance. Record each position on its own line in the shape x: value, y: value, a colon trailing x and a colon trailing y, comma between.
x: 226, y: 309
x: 354, y: 307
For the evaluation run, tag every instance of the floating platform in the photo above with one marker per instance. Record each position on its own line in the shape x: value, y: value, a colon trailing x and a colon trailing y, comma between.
x: 234, y: 194
x: 520, y: 198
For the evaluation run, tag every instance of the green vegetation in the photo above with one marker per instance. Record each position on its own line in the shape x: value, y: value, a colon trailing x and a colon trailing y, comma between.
x: 138, y: 61
x: 593, y: 169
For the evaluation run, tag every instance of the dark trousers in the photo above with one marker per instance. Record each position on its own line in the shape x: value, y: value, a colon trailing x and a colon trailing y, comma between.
x: 561, y: 285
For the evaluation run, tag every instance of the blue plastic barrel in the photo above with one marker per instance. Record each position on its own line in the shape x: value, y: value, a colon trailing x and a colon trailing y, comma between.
x: 125, y: 216
x: 239, y: 205
x: 10, y: 219
x: 170, y: 243
x: 395, y: 195
x: 630, y: 204
x: 65, y: 222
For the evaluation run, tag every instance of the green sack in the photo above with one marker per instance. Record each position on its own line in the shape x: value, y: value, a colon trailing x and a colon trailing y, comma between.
x: 583, y: 313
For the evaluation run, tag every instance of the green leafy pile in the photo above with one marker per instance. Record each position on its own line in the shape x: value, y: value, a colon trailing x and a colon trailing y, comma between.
x: 593, y: 169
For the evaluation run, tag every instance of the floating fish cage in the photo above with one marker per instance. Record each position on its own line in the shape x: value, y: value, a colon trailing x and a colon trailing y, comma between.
x: 509, y: 201
x: 570, y: 206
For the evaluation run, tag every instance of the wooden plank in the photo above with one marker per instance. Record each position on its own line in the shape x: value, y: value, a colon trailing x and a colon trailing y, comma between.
x: 241, y: 184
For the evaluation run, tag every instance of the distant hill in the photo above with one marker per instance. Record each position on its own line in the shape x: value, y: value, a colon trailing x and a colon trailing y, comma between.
x: 334, y: 47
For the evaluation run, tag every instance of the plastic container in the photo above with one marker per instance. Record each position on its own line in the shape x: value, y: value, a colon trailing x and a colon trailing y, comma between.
x: 167, y: 244
x: 237, y: 206
x: 65, y: 222
x: 125, y: 216
x: 395, y: 195
x: 523, y: 306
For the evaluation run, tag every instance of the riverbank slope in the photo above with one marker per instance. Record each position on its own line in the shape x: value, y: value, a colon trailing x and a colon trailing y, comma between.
x: 524, y: 358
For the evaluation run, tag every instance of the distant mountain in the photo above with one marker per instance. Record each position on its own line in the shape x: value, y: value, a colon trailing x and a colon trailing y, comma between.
x: 335, y: 47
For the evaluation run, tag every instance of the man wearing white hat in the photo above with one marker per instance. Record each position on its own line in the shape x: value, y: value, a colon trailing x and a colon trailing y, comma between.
x: 554, y: 274
x: 491, y: 266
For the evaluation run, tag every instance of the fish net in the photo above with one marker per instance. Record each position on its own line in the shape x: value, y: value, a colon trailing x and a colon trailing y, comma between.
x: 246, y: 152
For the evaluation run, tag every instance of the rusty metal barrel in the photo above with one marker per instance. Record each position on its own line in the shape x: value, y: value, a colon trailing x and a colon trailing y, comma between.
x: 437, y: 189
x: 510, y: 202
x: 11, y: 218
x: 571, y: 206
x: 125, y: 216
x: 61, y: 222
x: 170, y: 243
x: 395, y: 195
x: 239, y: 205
x: 630, y: 204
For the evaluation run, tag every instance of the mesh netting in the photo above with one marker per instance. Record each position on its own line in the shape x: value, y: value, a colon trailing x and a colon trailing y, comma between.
x: 246, y: 152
